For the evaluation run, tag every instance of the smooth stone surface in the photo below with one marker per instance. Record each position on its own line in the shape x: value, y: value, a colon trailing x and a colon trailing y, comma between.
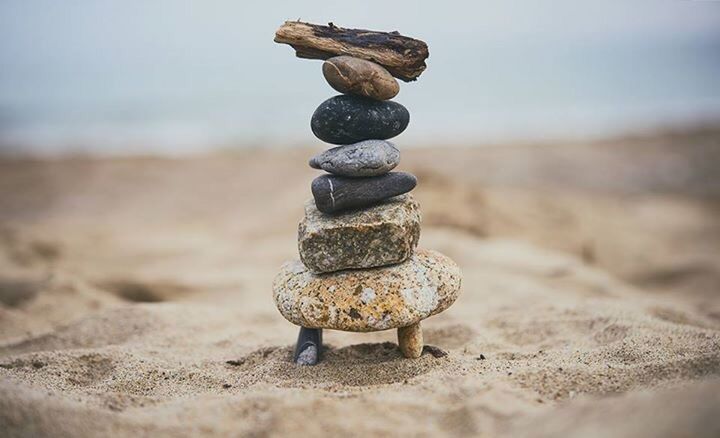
x: 347, y: 119
x: 410, y: 341
x: 381, y: 235
x: 369, y: 299
x: 350, y: 75
x: 337, y: 193
x: 366, y: 158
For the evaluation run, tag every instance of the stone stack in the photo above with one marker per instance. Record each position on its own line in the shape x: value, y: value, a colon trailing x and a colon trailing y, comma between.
x: 359, y: 268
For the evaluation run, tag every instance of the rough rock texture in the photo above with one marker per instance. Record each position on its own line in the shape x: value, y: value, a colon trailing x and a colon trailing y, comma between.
x: 410, y: 341
x: 369, y: 299
x: 366, y: 158
x: 357, y: 76
x: 309, y: 356
x: 337, y: 193
x: 381, y: 235
x: 346, y: 119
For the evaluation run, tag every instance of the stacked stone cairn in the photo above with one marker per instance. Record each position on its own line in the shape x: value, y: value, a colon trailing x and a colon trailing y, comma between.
x: 359, y: 269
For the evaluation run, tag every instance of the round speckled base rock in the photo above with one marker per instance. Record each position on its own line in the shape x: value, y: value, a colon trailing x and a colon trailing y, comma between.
x: 371, y: 299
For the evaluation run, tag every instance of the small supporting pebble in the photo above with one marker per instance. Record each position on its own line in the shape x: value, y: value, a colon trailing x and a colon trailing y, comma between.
x: 410, y: 340
x: 308, y: 347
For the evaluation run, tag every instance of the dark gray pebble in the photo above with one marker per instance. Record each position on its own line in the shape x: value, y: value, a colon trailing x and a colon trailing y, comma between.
x: 337, y: 193
x: 347, y: 119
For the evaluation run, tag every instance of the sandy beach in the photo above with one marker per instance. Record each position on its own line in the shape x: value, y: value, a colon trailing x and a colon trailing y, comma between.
x: 135, y: 296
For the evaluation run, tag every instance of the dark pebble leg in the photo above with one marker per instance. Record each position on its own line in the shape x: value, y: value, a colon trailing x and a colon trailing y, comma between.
x: 308, y: 347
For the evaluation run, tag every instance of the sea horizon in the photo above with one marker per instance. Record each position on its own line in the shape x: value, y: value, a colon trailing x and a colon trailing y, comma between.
x: 107, y: 80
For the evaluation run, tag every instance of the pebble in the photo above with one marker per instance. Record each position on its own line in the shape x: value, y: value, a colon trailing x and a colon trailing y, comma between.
x: 347, y: 119
x: 369, y: 299
x: 309, y: 356
x: 337, y: 193
x: 350, y: 75
x: 366, y: 158
x: 410, y: 341
x: 381, y: 235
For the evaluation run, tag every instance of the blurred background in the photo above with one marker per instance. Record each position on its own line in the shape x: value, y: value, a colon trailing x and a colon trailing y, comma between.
x: 177, y: 76
x: 153, y: 170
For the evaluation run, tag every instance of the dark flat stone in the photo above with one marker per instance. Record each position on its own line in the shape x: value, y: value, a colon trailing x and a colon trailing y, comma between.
x: 347, y: 119
x: 337, y: 193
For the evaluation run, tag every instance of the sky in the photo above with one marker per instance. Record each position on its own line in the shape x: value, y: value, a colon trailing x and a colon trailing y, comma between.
x: 178, y: 75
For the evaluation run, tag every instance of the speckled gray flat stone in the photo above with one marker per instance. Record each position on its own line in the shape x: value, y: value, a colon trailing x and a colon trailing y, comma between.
x: 334, y: 193
x: 381, y: 235
x: 369, y: 299
x: 366, y: 158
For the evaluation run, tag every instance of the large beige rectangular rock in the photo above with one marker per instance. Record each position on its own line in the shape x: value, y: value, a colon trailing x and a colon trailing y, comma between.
x: 381, y: 235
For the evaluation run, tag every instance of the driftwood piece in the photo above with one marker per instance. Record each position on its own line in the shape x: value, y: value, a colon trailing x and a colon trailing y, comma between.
x: 402, y: 56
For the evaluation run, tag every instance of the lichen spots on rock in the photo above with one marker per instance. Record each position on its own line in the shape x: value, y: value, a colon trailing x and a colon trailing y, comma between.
x: 370, y: 299
x: 368, y: 294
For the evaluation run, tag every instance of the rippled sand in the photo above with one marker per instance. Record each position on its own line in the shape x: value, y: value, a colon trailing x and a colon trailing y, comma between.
x: 135, y: 297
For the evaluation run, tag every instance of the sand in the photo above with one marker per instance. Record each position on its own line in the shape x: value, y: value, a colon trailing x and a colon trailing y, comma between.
x: 135, y: 297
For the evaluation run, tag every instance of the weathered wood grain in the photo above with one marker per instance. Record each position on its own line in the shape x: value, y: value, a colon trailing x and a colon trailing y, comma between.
x: 402, y: 56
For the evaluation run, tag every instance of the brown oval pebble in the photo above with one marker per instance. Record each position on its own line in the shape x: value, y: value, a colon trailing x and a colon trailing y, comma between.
x: 360, y: 77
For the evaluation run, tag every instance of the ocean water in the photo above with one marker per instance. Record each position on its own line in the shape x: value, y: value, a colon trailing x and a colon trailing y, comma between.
x: 175, y: 77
